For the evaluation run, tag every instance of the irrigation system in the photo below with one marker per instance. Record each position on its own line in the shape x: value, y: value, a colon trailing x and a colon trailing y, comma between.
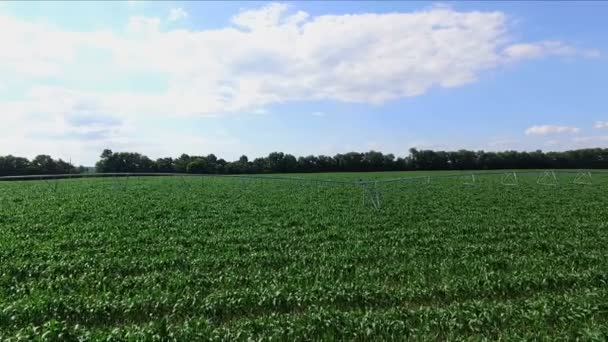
x: 460, y: 174
x: 371, y: 191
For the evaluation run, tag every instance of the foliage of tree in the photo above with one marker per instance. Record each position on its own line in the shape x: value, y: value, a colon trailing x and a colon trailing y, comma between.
x: 279, y: 162
x: 40, y: 165
x: 124, y: 162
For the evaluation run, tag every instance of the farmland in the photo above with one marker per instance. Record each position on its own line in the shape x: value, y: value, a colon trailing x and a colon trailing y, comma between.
x: 231, y: 259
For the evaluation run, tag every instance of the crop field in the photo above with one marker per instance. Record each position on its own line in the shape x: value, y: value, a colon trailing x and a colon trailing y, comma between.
x: 220, y: 258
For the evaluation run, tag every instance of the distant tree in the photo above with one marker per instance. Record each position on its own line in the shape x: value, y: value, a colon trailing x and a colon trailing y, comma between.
x: 220, y: 166
x: 124, y: 162
x: 388, y: 162
x: 280, y: 162
x: 106, y: 154
x: 198, y: 165
x: 373, y: 161
x: 289, y: 164
x: 65, y: 167
x: 212, y: 163
x: 43, y: 164
x: 181, y: 163
x: 240, y: 166
x: 165, y: 165
x: 308, y: 164
x: 274, y: 162
x: 40, y: 165
x: 104, y: 164
x: 259, y: 165
x: 352, y: 161
x: 326, y: 164
x: 12, y: 166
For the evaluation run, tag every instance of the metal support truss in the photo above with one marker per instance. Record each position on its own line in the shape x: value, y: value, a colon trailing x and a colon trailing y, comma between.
x: 371, y: 194
x: 583, y: 178
x: 509, y: 179
x: 547, y: 178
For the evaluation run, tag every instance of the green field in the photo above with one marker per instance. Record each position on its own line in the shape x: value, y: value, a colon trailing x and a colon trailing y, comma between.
x: 201, y: 258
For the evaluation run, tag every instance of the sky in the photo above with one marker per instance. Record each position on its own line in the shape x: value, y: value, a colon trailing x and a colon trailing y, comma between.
x: 234, y: 78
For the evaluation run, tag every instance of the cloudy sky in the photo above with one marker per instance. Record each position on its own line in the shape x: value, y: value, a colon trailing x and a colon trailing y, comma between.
x: 165, y: 78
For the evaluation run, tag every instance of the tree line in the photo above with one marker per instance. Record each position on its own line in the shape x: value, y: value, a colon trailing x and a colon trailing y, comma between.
x: 41, y: 165
x: 279, y: 162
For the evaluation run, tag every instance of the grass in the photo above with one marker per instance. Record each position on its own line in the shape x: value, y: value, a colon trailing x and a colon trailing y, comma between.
x: 232, y: 259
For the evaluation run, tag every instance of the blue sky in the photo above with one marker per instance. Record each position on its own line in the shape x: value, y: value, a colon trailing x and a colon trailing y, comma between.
x: 165, y: 78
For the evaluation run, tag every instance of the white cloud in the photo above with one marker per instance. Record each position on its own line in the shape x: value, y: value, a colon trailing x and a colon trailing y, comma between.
x: 144, y: 25
x: 60, y: 122
x: 502, y: 143
x: 552, y: 142
x: 591, y: 139
x: 260, y: 111
x: 600, y: 124
x: 269, y: 55
x: 589, y: 142
x: 273, y: 56
x: 263, y: 18
x: 551, y: 129
x: 34, y: 49
x: 318, y: 114
x: 177, y: 13
x: 545, y: 48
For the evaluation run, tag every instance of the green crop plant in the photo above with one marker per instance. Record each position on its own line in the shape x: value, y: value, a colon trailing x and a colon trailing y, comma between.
x: 221, y: 258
